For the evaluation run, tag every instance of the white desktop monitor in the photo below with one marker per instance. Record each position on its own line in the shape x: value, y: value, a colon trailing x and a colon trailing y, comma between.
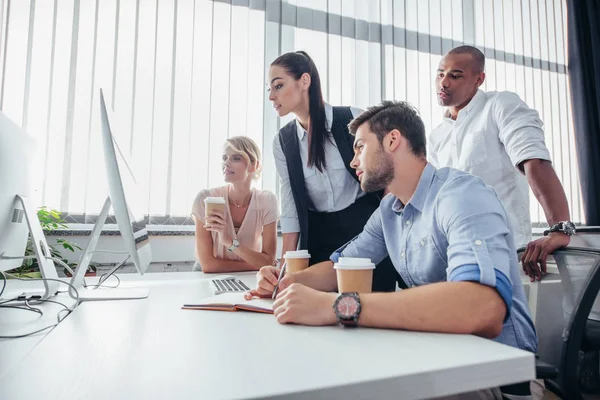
x: 124, y: 192
x: 16, y: 157
x: 124, y: 197
x: 17, y: 217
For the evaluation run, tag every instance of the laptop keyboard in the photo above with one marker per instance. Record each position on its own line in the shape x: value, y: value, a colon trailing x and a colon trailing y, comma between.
x: 229, y: 285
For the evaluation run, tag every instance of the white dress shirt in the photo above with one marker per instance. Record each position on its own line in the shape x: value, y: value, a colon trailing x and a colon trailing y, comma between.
x: 332, y: 190
x: 491, y: 136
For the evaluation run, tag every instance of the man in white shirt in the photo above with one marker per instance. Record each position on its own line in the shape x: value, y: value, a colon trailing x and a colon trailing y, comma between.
x: 496, y: 136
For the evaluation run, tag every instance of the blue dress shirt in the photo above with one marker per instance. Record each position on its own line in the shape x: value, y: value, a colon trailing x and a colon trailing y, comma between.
x: 454, y: 228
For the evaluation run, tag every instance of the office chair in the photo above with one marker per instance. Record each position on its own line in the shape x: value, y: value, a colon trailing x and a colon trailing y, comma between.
x: 579, y: 270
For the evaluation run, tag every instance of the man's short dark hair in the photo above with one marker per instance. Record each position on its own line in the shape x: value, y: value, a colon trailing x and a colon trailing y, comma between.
x: 475, y: 53
x: 389, y: 115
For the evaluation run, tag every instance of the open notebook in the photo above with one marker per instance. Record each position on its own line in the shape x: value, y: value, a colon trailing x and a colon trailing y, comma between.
x: 232, y: 302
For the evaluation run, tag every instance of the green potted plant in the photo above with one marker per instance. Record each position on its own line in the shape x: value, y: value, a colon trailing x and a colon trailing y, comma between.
x: 49, y: 220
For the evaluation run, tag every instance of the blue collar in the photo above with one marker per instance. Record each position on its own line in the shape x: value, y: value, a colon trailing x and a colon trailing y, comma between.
x: 417, y: 200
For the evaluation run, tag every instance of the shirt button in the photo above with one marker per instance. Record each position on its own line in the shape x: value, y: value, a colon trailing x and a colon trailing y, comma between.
x: 407, y: 223
x: 478, y: 242
x: 422, y: 242
x: 402, y: 255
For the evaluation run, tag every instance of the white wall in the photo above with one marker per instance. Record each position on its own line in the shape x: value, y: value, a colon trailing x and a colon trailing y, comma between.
x: 165, y: 249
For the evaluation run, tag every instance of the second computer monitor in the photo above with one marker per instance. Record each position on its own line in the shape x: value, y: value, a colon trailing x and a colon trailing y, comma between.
x: 124, y: 192
x: 124, y: 198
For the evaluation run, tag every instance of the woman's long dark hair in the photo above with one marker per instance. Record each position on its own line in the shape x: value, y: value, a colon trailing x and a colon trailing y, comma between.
x: 296, y: 64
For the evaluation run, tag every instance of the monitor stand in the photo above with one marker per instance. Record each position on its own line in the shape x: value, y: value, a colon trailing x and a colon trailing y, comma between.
x: 98, y: 293
x: 23, y: 289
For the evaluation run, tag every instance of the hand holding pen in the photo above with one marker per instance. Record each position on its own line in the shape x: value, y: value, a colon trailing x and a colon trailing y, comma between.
x: 281, y: 274
x: 268, y: 282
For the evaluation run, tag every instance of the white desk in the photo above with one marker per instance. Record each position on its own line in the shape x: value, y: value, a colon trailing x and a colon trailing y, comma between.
x: 151, y: 349
x: 16, y: 322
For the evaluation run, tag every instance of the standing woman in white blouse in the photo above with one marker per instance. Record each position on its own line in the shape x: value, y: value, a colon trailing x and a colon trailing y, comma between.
x: 323, y: 206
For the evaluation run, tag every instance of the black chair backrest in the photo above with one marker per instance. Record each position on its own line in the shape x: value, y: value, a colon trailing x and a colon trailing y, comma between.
x: 579, y: 270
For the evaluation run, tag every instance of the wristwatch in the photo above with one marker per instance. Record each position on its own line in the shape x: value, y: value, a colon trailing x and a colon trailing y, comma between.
x: 347, y: 308
x: 234, y: 245
x: 566, y: 227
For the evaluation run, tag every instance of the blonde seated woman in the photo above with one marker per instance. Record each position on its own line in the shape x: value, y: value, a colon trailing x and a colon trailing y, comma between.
x: 244, y: 237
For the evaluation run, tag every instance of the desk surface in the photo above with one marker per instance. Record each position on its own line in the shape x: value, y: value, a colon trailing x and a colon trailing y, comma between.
x: 152, y: 349
x: 16, y: 322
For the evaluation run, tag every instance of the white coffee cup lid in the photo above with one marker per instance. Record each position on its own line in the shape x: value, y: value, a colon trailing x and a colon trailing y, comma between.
x: 354, y: 263
x: 216, y: 200
x: 297, y: 254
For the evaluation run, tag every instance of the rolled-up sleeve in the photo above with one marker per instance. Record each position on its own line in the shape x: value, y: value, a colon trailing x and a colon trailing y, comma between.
x: 289, y: 216
x: 478, y: 236
x: 519, y: 129
x: 370, y: 243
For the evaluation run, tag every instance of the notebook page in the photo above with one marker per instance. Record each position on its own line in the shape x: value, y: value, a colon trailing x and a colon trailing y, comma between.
x: 259, y: 304
x: 223, y: 300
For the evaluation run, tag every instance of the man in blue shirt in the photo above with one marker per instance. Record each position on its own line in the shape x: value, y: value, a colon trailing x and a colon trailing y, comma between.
x: 445, y: 231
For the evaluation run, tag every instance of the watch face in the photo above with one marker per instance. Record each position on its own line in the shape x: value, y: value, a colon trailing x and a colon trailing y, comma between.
x: 347, y: 307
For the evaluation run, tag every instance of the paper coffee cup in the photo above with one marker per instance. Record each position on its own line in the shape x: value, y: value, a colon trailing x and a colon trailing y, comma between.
x: 296, y: 261
x: 212, y: 204
x: 354, y: 274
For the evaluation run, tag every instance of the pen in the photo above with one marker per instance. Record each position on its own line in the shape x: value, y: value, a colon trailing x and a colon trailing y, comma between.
x: 281, y: 273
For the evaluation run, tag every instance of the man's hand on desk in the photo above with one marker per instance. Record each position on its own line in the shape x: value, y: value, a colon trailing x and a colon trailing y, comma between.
x: 266, y: 279
x: 299, y: 304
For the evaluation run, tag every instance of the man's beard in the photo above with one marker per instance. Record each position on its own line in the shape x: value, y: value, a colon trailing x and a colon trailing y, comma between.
x: 379, y: 177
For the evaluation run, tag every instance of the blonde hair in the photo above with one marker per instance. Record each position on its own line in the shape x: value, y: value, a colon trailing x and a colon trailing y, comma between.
x: 247, y: 148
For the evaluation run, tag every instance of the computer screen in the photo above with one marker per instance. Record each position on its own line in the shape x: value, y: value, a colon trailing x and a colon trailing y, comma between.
x: 124, y: 197
x: 124, y: 191
x: 18, y: 217
x: 16, y: 152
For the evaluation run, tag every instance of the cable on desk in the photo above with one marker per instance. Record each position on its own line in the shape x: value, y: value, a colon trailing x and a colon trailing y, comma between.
x: 30, y: 307
x: 66, y: 308
x: 40, y: 301
x: 101, y: 276
x: 49, y: 279
x: 29, y: 333
x: 110, y: 273
x: 33, y: 309
x: 101, y: 280
x: 4, y: 283
x: 105, y: 279
x: 5, y: 274
x: 8, y: 301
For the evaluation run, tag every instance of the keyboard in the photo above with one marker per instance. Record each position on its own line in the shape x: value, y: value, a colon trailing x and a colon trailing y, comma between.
x: 228, y: 286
